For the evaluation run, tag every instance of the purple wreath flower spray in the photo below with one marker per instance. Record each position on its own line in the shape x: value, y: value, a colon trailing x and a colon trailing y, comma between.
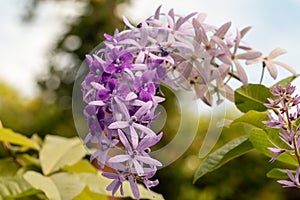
x: 122, y: 88
x: 287, y: 111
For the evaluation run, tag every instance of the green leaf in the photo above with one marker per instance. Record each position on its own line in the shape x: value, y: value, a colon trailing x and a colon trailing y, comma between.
x: 12, y: 186
x: 252, y: 97
x: 252, y: 118
x: 7, y: 135
x: 58, y: 152
x: 69, y: 185
x: 285, y: 82
x: 87, y: 194
x: 97, y: 184
x: 273, y: 135
x: 261, y: 142
x: 27, y: 195
x: 80, y: 166
x: 277, y: 173
x: 8, y: 167
x: 59, y: 186
x: 221, y: 156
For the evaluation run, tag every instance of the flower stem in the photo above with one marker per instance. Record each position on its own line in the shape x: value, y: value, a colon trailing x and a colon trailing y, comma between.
x: 262, y: 73
x: 290, y: 128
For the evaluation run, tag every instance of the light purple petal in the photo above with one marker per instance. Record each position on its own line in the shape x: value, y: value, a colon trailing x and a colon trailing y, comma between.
x: 134, y: 137
x: 272, y: 69
x: 221, y: 32
x: 148, y: 160
x: 286, y: 183
x: 251, y: 55
x: 138, y: 167
x: 97, y: 103
x: 118, y: 125
x: 276, y: 52
x: 119, y: 158
x: 134, y: 187
x: 123, y: 108
x: 124, y: 140
x: 144, y: 129
x: 241, y: 72
x: 110, y: 175
x: 287, y: 67
x: 143, y: 109
x: 113, y: 186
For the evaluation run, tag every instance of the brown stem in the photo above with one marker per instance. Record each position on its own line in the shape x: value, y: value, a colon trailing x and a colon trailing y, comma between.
x: 7, y: 147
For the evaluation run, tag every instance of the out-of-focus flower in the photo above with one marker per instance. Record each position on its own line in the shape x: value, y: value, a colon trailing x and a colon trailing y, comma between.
x: 270, y: 63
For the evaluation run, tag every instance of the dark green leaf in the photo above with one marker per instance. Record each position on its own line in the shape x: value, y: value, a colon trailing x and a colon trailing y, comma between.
x: 221, y: 156
x: 277, y: 173
x: 252, y: 97
x: 8, y: 167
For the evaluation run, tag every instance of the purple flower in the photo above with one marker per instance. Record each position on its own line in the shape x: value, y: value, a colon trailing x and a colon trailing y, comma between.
x: 101, y: 154
x: 294, y: 179
x: 117, y: 182
x: 134, y: 158
x: 277, y: 152
x: 118, y: 61
x: 131, y: 121
x: 134, y: 187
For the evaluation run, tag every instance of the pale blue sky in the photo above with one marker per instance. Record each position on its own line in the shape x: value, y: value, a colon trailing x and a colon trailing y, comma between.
x: 23, y: 49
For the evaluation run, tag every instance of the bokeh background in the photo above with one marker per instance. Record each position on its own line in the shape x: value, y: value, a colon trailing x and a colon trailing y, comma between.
x: 43, y: 42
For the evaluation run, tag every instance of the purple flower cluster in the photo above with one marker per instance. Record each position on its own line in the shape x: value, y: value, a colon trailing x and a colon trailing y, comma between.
x: 286, y: 107
x: 122, y: 87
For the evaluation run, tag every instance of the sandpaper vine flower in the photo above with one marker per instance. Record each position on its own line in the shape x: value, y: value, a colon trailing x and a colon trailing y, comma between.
x: 122, y: 91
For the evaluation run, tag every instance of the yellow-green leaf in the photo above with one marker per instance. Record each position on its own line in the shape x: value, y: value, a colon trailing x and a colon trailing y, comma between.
x: 59, y: 186
x: 80, y: 166
x: 87, y: 194
x: 58, y: 152
x: 8, y: 167
x: 7, y: 135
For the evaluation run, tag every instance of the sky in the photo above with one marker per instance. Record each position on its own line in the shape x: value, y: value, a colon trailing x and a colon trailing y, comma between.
x: 24, y: 48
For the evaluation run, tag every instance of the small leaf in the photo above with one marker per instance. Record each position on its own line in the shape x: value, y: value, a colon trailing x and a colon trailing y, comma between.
x: 252, y: 97
x: 87, y: 194
x: 43, y: 183
x: 97, y: 184
x: 261, y: 142
x: 8, y: 167
x: 80, y: 166
x: 27, y: 195
x: 252, y: 118
x: 277, y: 173
x: 12, y: 186
x: 69, y: 185
x: 221, y: 156
x: 58, y: 152
x: 285, y: 82
x: 59, y: 186
x: 7, y: 135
